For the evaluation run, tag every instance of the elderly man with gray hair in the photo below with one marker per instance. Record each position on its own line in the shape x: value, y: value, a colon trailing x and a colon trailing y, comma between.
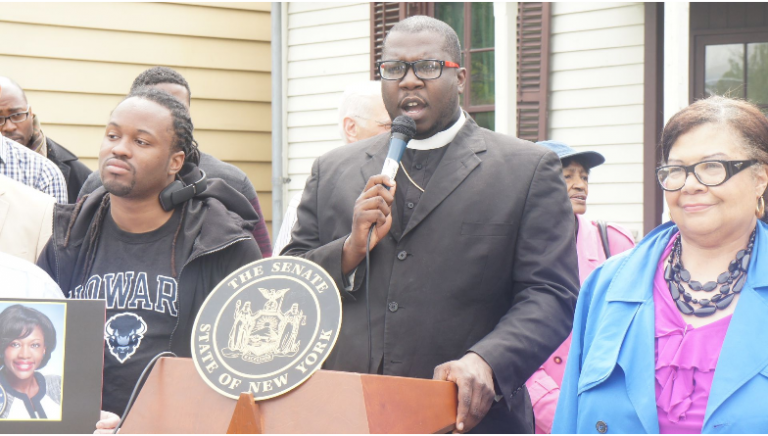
x: 361, y: 115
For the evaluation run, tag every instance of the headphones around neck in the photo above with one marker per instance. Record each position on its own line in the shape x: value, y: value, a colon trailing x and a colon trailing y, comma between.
x: 177, y: 192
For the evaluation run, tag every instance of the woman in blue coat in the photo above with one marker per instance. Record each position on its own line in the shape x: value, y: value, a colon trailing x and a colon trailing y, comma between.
x: 672, y: 336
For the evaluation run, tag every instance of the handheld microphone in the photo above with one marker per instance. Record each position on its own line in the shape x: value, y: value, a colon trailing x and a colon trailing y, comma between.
x: 403, y: 130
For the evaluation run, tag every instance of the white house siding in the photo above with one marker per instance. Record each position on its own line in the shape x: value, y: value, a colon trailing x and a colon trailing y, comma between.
x: 596, y: 100
x: 328, y: 48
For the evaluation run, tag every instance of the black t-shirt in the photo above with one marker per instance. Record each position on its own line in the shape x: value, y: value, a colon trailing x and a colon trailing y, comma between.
x: 132, y: 271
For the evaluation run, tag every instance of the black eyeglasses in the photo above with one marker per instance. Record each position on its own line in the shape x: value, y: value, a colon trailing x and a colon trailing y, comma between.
x: 16, y: 118
x: 425, y: 69
x: 708, y: 173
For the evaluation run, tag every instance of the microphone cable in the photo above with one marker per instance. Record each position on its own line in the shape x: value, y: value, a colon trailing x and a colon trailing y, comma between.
x: 135, y: 392
x: 367, y: 294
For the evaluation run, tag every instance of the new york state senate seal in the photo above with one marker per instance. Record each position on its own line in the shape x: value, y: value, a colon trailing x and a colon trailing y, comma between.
x: 266, y: 328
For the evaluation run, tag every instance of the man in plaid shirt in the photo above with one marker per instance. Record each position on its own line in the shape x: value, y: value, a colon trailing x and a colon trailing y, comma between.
x: 23, y: 165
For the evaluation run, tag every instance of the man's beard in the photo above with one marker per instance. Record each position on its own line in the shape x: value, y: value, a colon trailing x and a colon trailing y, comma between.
x: 446, y: 118
x: 111, y: 183
x: 119, y: 189
x: 18, y: 139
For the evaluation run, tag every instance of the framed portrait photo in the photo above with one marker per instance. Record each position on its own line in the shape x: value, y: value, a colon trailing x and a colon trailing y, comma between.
x: 50, y: 365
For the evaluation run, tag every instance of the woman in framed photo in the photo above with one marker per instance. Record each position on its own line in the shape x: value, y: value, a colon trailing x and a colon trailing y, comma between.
x: 27, y: 339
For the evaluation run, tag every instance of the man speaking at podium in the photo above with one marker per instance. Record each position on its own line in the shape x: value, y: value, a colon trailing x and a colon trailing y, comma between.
x: 473, y: 275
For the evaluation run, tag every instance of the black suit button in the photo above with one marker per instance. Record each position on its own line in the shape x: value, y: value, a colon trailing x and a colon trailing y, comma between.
x: 419, y: 166
x: 601, y: 427
x: 410, y: 205
x: 402, y: 255
x: 392, y: 306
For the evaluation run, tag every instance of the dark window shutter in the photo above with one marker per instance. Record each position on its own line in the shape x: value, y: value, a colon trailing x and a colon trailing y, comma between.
x: 532, y: 69
x: 384, y: 16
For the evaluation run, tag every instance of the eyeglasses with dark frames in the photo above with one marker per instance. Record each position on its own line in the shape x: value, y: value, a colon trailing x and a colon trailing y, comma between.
x: 16, y: 118
x: 707, y: 172
x: 424, y: 69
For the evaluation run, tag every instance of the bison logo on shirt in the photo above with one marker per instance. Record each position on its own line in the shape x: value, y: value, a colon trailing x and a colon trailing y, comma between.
x: 123, y: 333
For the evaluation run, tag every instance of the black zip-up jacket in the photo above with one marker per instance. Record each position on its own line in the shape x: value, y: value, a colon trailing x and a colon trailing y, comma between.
x: 219, y: 221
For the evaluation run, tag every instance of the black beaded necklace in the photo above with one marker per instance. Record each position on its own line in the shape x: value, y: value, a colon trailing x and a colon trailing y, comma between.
x: 731, y: 282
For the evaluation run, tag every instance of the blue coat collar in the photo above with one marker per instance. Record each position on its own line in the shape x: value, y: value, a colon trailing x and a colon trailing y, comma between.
x: 629, y: 316
x: 642, y: 262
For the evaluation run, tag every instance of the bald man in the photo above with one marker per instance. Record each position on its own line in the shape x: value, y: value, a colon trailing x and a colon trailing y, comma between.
x: 23, y: 126
x: 25, y: 166
x: 361, y: 115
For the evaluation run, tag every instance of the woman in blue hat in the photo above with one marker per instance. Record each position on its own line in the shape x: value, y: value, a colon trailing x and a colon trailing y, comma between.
x: 595, y: 242
x: 672, y: 337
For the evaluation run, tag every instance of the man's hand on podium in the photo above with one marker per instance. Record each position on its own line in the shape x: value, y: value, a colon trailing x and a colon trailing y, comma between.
x: 107, y: 423
x: 474, y: 377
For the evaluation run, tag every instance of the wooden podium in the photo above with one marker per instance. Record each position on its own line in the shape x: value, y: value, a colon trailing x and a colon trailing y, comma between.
x: 176, y: 400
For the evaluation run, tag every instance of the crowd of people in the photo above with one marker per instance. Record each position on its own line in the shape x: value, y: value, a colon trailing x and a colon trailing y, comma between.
x: 475, y: 264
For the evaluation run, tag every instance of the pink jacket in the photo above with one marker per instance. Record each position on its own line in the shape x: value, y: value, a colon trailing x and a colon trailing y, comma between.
x: 544, y: 384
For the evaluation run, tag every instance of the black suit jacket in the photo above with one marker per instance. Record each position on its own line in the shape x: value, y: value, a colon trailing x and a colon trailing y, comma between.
x: 487, y: 263
x: 74, y: 171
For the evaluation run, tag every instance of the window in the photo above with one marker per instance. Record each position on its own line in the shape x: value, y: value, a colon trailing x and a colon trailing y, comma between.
x: 730, y: 51
x: 473, y: 22
x: 737, y: 70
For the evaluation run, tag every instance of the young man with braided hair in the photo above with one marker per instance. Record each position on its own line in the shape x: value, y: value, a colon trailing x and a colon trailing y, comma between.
x: 170, y: 81
x: 154, y: 267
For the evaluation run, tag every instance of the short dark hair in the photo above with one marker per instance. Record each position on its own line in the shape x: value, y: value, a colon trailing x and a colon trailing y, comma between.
x: 422, y: 23
x: 18, y: 322
x: 159, y: 75
x: 183, y: 128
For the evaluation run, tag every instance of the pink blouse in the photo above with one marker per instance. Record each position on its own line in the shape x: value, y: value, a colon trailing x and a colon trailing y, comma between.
x: 686, y: 358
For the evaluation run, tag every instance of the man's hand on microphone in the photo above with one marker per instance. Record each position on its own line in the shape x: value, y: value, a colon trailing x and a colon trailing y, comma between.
x: 373, y: 206
x: 474, y: 377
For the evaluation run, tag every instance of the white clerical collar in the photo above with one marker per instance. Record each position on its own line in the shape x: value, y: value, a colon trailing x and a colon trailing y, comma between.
x: 439, y: 139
